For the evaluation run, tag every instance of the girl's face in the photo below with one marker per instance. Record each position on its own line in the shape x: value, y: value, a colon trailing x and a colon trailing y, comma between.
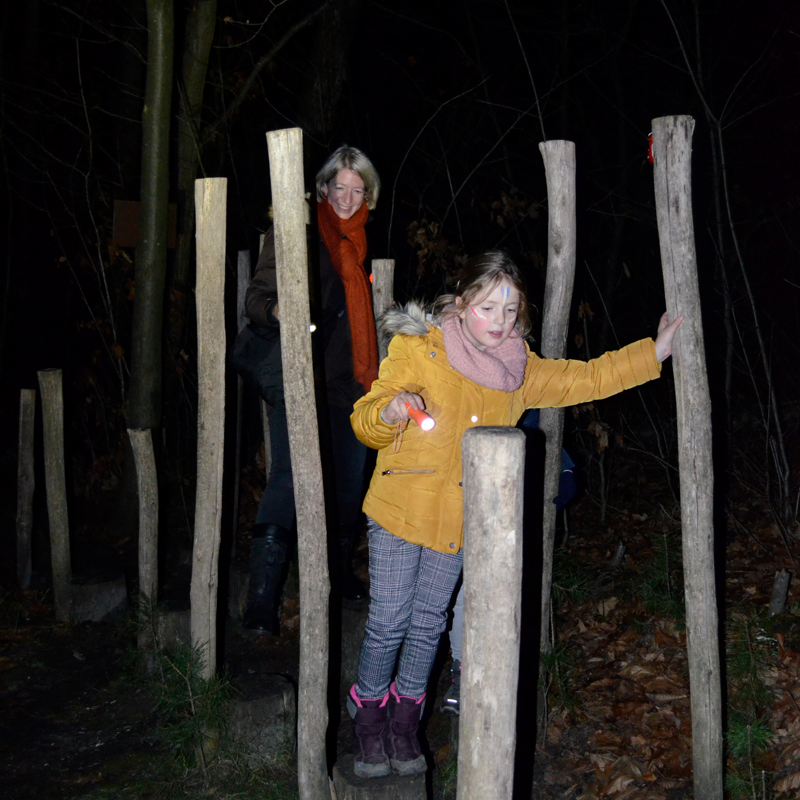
x: 489, y: 320
x: 345, y: 193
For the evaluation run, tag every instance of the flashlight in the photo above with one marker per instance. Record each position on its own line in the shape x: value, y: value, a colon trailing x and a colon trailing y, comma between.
x: 425, y: 421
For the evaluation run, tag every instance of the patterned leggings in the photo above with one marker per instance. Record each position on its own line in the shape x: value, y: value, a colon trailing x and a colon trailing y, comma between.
x: 410, y: 589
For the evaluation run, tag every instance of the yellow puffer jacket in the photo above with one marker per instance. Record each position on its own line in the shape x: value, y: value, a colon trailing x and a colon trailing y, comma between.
x: 415, y: 493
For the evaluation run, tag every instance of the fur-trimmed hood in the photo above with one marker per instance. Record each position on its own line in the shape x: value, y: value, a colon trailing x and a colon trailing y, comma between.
x: 412, y: 319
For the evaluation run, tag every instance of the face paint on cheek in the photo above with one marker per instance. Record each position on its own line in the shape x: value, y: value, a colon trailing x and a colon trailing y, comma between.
x: 476, y: 313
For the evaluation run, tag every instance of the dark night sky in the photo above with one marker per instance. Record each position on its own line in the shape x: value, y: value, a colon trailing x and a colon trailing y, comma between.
x: 445, y: 97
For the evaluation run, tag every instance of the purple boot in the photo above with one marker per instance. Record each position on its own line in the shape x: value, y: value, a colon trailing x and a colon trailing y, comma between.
x: 370, y: 734
x: 405, y: 753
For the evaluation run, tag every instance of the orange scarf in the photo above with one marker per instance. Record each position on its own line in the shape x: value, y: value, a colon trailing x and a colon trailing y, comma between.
x: 346, y: 243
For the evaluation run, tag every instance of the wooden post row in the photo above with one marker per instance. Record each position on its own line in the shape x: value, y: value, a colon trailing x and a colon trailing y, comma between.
x: 672, y: 150
x: 210, y: 199
x: 493, y: 473
x: 25, y: 485
x: 242, y: 282
x: 559, y: 164
x: 264, y: 408
x: 286, y: 178
x: 382, y: 293
x: 55, y: 481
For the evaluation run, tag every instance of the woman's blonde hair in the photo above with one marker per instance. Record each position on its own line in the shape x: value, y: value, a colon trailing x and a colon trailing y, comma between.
x: 479, y: 276
x: 350, y: 158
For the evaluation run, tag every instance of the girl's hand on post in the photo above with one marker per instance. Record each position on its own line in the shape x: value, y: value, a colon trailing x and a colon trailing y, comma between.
x: 666, y: 333
x: 396, y: 411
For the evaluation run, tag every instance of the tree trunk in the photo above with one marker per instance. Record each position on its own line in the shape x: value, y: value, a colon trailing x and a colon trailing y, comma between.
x: 147, y: 486
x: 147, y: 490
x: 144, y: 400
x: 335, y: 33
x: 53, y: 425
x: 199, y: 35
x: 210, y: 197
x: 672, y: 149
x: 559, y: 164
x: 286, y: 177
x: 493, y: 468
x: 26, y: 482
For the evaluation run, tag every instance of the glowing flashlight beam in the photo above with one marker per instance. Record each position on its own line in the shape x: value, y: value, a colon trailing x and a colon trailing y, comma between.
x: 425, y: 421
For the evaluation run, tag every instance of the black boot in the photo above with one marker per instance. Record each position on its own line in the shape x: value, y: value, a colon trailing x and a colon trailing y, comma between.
x: 269, y: 552
x: 349, y: 586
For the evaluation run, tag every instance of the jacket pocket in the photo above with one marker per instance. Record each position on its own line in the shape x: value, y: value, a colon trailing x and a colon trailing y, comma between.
x: 408, y: 472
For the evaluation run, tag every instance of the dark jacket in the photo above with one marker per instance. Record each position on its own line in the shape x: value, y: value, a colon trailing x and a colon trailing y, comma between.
x: 333, y: 325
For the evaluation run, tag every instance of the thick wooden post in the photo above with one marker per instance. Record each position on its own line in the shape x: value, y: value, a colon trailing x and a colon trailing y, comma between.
x: 493, y: 469
x: 559, y: 164
x: 242, y: 282
x: 382, y: 292
x: 672, y: 151
x: 210, y: 196
x: 286, y: 178
x: 147, y: 485
x: 55, y: 481
x: 25, y: 485
x: 263, y: 407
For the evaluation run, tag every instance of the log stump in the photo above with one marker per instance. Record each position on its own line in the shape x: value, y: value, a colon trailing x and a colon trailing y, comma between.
x: 393, y: 787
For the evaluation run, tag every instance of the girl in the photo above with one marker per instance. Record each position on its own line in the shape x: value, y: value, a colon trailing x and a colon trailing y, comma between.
x: 467, y: 366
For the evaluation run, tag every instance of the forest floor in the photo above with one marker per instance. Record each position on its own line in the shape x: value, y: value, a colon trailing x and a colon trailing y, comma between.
x: 78, y: 723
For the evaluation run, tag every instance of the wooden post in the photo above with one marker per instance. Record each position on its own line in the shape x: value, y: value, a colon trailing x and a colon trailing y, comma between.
x: 559, y: 165
x: 55, y: 481
x: 263, y: 407
x: 672, y: 150
x: 382, y: 292
x: 147, y: 484
x: 286, y: 178
x: 242, y: 282
x: 25, y: 485
x: 210, y: 196
x: 780, y: 588
x: 493, y: 471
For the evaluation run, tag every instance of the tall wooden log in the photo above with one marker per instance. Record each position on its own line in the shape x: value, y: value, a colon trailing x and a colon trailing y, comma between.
x: 210, y: 198
x: 55, y: 481
x: 382, y: 293
x: 493, y: 471
x: 263, y: 407
x: 286, y: 178
x: 147, y: 484
x: 25, y: 485
x: 672, y: 150
x: 559, y: 165
x: 242, y: 282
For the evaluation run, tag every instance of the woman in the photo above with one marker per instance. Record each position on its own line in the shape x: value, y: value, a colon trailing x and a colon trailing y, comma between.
x: 347, y: 189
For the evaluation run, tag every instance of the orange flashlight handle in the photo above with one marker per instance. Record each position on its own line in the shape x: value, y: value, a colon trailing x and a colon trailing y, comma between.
x: 420, y: 417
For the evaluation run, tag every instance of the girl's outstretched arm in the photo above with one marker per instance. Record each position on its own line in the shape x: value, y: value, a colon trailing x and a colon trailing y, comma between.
x: 666, y: 333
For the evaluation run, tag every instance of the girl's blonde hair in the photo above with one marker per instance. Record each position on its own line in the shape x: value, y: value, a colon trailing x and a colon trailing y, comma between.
x: 350, y: 158
x: 479, y: 276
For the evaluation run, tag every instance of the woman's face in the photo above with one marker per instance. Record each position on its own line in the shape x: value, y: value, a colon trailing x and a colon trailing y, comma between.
x: 345, y: 193
x: 488, y: 321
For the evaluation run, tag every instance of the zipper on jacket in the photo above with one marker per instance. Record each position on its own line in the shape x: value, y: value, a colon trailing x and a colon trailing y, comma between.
x: 407, y: 471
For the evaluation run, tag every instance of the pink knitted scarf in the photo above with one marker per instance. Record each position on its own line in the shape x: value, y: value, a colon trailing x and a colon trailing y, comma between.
x: 500, y: 367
